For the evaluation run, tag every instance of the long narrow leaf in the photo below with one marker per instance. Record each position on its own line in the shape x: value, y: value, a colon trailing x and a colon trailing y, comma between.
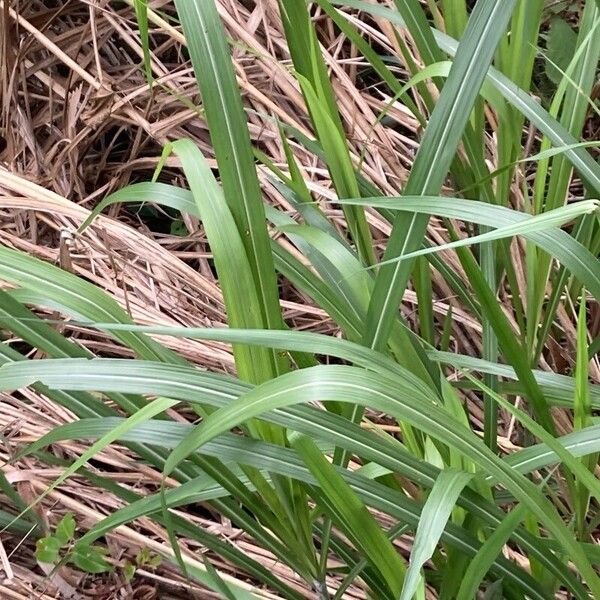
x: 436, y: 152
x: 434, y: 517
x: 548, y: 125
x: 231, y: 141
x: 188, y: 385
x: 352, y: 514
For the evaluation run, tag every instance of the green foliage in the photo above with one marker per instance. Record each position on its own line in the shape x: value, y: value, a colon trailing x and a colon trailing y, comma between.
x: 90, y: 559
x: 306, y: 475
x: 61, y: 548
x: 434, y: 516
x: 47, y: 549
x: 144, y: 558
x: 65, y: 530
x: 561, y: 44
x: 178, y: 228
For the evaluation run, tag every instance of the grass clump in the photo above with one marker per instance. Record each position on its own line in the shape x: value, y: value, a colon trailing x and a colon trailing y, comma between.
x: 402, y: 242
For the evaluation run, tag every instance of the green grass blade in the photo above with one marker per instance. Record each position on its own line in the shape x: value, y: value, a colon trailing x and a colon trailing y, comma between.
x: 86, y: 405
x: 582, y: 416
x: 182, y: 200
x: 553, y: 385
x: 578, y: 443
x: 137, y: 506
x: 168, y: 434
x: 147, y: 412
x: 337, y: 265
x: 372, y: 56
x: 349, y: 384
x: 231, y: 142
x: 416, y: 22
x: 548, y: 220
x: 36, y: 332
x: 141, y: 14
x: 510, y: 344
x: 434, y: 157
x: 311, y: 72
x: 587, y: 167
x: 434, y: 517
x: 582, y: 400
x: 326, y: 298
x: 284, y: 462
x: 191, y: 385
x: 359, y: 565
x: 570, y: 253
x: 233, y: 267
x: 352, y: 515
x: 455, y: 16
x: 218, y: 583
x: 79, y: 297
x: 327, y: 293
x: 484, y: 559
x: 575, y: 105
x: 584, y: 476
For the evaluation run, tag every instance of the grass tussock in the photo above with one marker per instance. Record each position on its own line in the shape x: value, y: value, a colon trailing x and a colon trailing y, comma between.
x: 299, y: 300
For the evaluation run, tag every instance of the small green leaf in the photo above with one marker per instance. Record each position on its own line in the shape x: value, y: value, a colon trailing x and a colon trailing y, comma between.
x: 65, y: 530
x: 90, y: 559
x: 47, y: 549
x: 178, y: 228
x: 154, y: 561
x: 145, y: 558
x: 141, y: 13
x: 560, y: 47
x: 128, y: 571
x: 142, y: 556
x: 494, y: 591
